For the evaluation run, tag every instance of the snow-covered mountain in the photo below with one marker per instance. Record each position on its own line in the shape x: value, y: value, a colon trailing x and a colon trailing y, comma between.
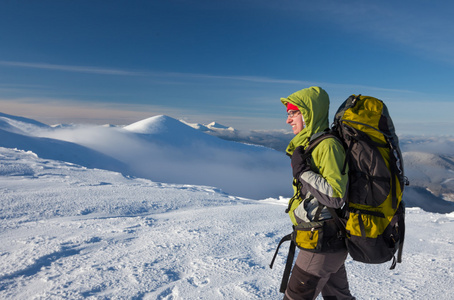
x: 163, y: 149
x: 17, y: 132
x: 431, y: 171
x: 211, y: 127
x: 275, y: 139
x: 158, y: 148
x: 71, y: 228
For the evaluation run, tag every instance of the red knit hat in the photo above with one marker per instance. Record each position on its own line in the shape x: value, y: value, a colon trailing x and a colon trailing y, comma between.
x: 291, y: 106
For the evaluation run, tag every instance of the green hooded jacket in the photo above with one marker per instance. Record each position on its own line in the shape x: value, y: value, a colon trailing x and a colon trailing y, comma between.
x: 324, y: 183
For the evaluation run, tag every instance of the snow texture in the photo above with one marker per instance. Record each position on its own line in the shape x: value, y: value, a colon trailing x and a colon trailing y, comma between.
x: 75, y: 231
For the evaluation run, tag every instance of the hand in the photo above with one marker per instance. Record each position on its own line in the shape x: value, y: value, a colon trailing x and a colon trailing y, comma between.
x: 299, y: 164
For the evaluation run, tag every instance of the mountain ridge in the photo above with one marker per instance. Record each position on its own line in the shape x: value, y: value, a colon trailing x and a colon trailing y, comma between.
x: 168, y: 150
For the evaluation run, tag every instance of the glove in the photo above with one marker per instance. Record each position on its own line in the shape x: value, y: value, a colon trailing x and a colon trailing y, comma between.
x: 299, y: 164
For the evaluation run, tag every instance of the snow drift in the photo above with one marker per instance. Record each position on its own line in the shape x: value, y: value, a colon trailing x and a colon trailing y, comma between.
x: 68, y: 232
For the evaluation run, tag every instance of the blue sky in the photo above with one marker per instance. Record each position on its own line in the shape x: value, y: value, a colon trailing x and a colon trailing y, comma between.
x: 227, y: 61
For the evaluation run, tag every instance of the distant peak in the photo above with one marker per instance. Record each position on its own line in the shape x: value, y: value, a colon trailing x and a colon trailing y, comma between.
x: 150, y: 125
x: 215, y: 125
x: 159, y: 125
x: 195, y: 125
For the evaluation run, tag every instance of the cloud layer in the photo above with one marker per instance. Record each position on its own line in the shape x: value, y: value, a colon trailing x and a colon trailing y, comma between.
x: 164, y: 150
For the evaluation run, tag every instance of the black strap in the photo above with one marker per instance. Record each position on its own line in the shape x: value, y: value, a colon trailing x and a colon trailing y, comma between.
x: 288, y: 267
x: 347, y: 153
x: 289, y: 262
x: 318, y: 212
x: 401, y: 243
x: 393, y: 264
x: 337, y: 220
x: 361, y: 225
x: 314, y: 140
x: 288, y: 237
x: 399, y: 254
x: 393, y: 180
x: 297, y: 195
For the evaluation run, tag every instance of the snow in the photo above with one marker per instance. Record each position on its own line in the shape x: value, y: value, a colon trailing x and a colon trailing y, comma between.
x: 215, y: 125
x: 68, y: 231
x: 161, y: 149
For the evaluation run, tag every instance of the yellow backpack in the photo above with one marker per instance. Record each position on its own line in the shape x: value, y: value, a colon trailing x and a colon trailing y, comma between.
x: 375, y: 213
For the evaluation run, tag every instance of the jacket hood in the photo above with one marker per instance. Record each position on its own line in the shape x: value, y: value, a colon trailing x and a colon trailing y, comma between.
x: 313, y: 103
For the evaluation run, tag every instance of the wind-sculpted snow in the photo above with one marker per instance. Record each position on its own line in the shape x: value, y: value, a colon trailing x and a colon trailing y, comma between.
x: 68, y: 232
x: 19, y: 124
x: 61, y: 150
x: 48, y: 202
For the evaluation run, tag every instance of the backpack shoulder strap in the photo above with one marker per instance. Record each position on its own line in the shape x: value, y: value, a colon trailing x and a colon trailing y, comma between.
x: 317, y: 138
x: 337, y: 220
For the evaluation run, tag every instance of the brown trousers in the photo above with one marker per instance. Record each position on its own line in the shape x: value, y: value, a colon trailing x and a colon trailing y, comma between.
x: 319, y: 272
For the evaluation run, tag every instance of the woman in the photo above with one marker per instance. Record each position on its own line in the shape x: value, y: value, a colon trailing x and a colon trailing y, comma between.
x: 319, y: 184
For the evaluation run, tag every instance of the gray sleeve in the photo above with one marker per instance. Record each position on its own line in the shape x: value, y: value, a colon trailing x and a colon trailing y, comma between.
x: 320, y: 189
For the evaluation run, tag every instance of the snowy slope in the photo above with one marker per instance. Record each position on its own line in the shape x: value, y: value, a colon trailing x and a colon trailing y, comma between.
x: 19, y: 124
x: 162, y: 149
x: 432, y: 171
x: 61, y: 150
x: 68, y: 232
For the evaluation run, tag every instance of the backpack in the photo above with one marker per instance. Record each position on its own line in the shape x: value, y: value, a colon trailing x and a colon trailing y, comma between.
x: 372, y: 221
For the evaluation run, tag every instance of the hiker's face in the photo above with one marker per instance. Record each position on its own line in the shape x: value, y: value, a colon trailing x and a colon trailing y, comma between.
x: 295, y: 119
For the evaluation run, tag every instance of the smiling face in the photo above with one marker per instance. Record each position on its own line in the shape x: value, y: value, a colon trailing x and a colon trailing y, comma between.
x: 295, y: 119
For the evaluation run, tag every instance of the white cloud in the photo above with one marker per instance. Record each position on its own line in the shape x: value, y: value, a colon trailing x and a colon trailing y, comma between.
x: 67, y: 68
x: 184, y: 76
